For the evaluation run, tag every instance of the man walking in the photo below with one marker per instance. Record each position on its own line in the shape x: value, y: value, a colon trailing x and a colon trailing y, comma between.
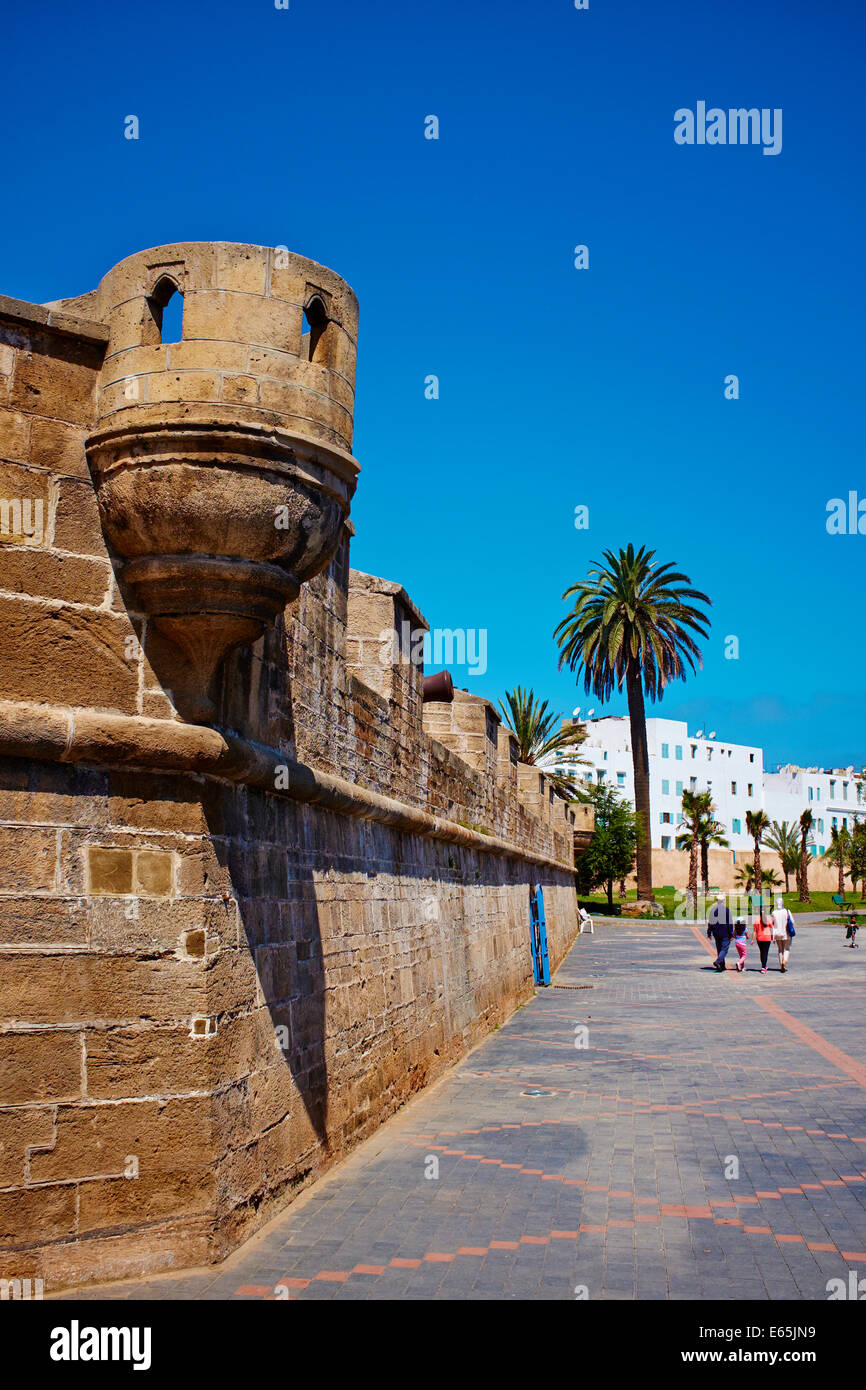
x: 720, y: 926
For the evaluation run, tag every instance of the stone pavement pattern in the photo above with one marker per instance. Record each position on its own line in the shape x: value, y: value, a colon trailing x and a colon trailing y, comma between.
x: 614, y: 1177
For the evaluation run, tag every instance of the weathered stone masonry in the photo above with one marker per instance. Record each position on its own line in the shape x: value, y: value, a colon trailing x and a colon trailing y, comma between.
x: 253, y: 893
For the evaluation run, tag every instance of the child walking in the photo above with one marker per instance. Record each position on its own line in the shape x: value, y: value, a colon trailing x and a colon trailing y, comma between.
x: 741, y: 929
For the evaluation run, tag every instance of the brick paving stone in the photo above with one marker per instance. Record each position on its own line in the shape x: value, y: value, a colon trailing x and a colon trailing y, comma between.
x: 616, y: 1179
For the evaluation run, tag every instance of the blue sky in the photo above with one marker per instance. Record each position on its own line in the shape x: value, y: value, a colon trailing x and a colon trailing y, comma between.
x: 558, y: 387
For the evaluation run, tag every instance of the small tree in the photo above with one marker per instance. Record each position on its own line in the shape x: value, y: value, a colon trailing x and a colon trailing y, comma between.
x: 838, y: 852
x: 544, y: 743
x: 611, y: 851
x: 757, y: 824
x: 784, y: 841
x: 857, y: 858
x: 803, y: 871
x: 689, y: 838
x: 745, y: 878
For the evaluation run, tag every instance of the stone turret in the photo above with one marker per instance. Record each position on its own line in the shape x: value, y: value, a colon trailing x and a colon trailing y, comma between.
x: 223, y: 460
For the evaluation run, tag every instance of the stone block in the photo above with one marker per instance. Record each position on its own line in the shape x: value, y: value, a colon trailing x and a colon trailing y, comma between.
x: 40, y: 1067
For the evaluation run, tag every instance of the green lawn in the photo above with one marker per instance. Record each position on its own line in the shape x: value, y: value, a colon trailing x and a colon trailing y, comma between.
x: 669, y: 899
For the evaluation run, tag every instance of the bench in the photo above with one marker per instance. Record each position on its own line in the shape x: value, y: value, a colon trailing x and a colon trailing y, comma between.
x: 843, y: 905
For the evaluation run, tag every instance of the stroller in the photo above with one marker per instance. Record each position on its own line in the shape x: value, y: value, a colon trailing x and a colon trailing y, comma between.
x: 851, y: 932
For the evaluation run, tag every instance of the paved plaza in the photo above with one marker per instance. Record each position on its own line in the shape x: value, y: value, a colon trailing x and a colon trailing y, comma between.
x: 702, y: 1138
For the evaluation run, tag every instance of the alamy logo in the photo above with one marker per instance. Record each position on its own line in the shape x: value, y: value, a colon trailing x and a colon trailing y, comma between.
x: 737, y: 126
x: 846, y: 518
x: 77, y: 1343
x: 854, y: 1290
x: 442, y: 646
x: 22, y: 1290
x: 21, y: 516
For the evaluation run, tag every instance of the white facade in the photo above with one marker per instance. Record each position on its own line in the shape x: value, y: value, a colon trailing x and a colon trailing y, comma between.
x: 732, y: 772
x: 835, y: 796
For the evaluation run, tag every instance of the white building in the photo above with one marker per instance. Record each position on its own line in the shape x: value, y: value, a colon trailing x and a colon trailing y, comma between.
x: 732, y: 772
x: 835, y: 796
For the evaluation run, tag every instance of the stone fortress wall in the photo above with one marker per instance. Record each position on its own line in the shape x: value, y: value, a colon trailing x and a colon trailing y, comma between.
x: 254, y: 892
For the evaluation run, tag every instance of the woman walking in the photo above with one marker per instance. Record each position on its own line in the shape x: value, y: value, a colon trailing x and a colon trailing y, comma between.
x: 783, y: 932
x: 762, y: 933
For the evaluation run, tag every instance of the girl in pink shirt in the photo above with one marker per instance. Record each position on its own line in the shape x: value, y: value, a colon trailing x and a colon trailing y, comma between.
x: 741, y: 929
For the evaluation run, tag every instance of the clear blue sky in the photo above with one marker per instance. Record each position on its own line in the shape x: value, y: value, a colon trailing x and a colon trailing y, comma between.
x: 559, y: 387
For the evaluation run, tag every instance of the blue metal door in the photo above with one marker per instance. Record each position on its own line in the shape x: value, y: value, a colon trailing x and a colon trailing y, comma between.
x: 538, y: 936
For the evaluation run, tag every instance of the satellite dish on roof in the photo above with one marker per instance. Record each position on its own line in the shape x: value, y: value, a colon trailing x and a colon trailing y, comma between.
x: 590, y: 713
x: 575, y: 713
x: 712, y: 735
x: 699, y: 734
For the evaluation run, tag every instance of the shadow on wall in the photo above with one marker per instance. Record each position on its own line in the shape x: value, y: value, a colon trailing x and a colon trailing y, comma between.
x: 255, y: 843
x: 379, y: 956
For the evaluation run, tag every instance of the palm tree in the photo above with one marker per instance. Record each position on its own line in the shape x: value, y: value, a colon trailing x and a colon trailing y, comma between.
x: 857, y: 859
x: 632, y: 624
x: 544, y: 743
x: 689, y: 838
x: 745, y: 878
x: 784, y: 841
x: 838, y: 852
x: 803, y: 871
x: 712, y: 832
x: 757, y: 823
x: 702, y: 830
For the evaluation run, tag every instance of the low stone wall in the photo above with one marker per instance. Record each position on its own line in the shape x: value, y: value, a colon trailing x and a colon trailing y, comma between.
x: 208, y: 993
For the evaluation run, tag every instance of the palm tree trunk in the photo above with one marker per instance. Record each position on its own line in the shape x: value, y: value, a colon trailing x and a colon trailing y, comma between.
x: 610, y: 892
x: 841, y: 875
x: 693, y: 873
x: 705, y: 866
x: 805, y: 895
x: 640, y: 762
x: 759, y: 885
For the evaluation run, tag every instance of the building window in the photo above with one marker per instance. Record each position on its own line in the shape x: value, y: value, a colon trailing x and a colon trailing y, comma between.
x: 666, y: 841
x: 835, y: 823
x: 810, y: 794
x: 600, y: 775
x: 832, y: 788
x: 666, y: 787
x: 313, y: 341
x: 679, y: 788
x: 751, y: 757
x: 694, y: 750
x: 166, y: 307
x: 844, y: 791
x: 666, y: 751
x: 605, y: 757
x: 678, y: 752
x: 820, y: 825
x: 666, y: 818
x: 749, y: 786
x: 620, y: 779
x: 733, y: 789
x: 817, y: 793
x: 735, y: 826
